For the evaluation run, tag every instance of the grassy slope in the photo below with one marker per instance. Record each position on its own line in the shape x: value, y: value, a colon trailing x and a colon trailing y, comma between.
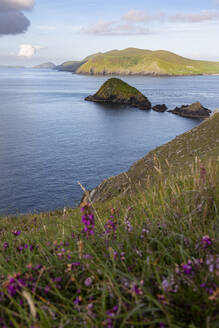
x: 118, y: 88
x: 155, y: 271
x: 69, y: 66
x: 137, y: 61
x: 72, y: 66
x: 175, y: 156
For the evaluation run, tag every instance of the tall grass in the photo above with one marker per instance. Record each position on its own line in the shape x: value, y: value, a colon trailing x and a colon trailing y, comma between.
x: 155, y: 263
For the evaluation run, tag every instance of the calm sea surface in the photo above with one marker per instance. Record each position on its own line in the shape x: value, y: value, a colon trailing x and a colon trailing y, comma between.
x: 50, y: 138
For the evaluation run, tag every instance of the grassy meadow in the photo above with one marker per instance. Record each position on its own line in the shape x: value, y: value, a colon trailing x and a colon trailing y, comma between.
x: 150, y: 260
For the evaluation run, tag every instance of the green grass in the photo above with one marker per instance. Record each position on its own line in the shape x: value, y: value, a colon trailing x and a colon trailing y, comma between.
x: 140, y: 271
x: 118, y: 88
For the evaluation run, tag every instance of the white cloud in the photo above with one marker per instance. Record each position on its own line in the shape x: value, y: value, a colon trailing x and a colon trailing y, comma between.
x: 28, y: 50
x: 16, y: 4
x: 104, y: 28
x: 144, y: 17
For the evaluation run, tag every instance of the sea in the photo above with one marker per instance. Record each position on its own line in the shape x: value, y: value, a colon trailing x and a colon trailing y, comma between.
x: 51, y: 138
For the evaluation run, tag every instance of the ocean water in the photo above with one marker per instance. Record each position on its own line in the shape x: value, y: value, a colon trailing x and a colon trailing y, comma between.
x: 50, y: 138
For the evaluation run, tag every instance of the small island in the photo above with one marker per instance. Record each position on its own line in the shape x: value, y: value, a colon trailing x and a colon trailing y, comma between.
x: 116, y: 91
x: 195, y: 110
x: 48, y: 65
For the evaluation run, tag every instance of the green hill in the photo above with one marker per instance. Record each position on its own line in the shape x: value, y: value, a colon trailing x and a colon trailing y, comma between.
x: 145, y: 62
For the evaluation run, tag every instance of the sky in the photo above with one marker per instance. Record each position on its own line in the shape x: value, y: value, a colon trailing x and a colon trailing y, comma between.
x: 36, y: 31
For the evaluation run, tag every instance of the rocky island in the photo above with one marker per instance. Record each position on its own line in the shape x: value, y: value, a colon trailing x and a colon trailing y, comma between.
x: 160, y: 108
x: 116, y: 91
x: 195, y: 110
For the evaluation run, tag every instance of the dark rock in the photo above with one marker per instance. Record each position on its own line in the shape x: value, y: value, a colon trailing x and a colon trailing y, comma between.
x: 116, y: 91
x: 160, y: 108
x: 195, y: 110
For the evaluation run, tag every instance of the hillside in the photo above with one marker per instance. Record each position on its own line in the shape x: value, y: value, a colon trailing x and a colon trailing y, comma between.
x: 145, y: 62
x: 69, y: 66
x: 73, y: 66
x: 48, y: 65
x: 175, y: 156
x: 149, y: 260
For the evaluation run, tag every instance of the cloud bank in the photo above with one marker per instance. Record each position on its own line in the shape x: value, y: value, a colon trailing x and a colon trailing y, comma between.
x: 141, y: 16
x: 28, y: 50
x: 111, y: 28
x: 12, y: 19
x: 135, y: 22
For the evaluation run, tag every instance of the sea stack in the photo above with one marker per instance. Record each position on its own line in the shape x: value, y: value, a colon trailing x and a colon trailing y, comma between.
x: 116, y: 91
x: 195, y: 110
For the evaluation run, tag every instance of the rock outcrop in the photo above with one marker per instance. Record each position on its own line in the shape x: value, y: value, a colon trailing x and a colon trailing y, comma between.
x: 160, y: 108
x: 116, y: 91
x: 195, y: 110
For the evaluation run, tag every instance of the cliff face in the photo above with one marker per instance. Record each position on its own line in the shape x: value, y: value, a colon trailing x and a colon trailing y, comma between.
x: 175, y: 156
x: 119, y: 92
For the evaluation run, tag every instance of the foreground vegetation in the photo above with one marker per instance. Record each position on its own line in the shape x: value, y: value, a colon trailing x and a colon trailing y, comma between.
x: 147, y: 261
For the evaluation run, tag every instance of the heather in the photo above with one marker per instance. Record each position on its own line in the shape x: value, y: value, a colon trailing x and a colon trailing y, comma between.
x: 146, y: 260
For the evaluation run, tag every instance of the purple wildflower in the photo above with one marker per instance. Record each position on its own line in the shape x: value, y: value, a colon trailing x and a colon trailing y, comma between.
x: 111, y: 314
x: 128, y: 225
x: 14, y: 284
x: 47, y: 289
x: 187, y: 268
x: 5, y: 245
x: 16, y: 233
x: 169, y: 285
x: 209, y: 287
x: 88, y: 221
x: 88, y: 281
x: 110, y: 226
x: 87, y: 257
x: 206, y: 241
x: 136, y: 290
x: 78, y: 300
x: 213, y: 263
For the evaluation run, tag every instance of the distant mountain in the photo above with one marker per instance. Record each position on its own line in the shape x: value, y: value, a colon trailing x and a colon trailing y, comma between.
x: 133, y: 61
x: 48, y: 65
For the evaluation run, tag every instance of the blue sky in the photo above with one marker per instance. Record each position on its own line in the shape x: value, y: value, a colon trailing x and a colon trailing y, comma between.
x: 60, y: 30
